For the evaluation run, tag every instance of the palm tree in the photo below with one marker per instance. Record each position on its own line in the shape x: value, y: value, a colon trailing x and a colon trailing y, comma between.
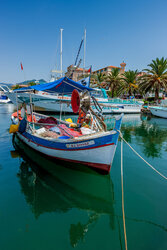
x: 155, y: 78
x: 97, y: 79
x: 114, y: 80
x: 100, y: 77
x: 128, y: 84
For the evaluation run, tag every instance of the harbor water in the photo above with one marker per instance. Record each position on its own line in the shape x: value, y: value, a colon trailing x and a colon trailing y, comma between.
x: 52, y: 205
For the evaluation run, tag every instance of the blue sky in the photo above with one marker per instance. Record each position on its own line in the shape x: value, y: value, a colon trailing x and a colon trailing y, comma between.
x: 133, y: 31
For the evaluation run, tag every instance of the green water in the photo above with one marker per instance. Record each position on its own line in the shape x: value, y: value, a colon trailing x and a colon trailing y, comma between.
x: 69, y: 209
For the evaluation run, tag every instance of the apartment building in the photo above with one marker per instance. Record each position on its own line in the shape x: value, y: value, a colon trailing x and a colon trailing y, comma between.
x: 108, y: 69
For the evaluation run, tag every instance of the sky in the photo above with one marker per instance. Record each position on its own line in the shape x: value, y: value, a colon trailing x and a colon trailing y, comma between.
x: 131, y: 31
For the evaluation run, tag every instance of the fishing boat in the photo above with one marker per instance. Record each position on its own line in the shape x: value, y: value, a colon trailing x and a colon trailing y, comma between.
x: 3, y: 97
x: 160, y: 110
x: 94, y: 147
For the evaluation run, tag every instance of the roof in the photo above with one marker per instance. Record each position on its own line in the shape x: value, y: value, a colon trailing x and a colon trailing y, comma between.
x: 81, y: 69
x: 107, y: 67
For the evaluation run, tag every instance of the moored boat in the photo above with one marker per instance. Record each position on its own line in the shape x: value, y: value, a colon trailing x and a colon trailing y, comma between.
x: 93, y: 146
x: 53, y: 102
x: 3, y: 97
x: 161, y: 110
x: 95, y: 150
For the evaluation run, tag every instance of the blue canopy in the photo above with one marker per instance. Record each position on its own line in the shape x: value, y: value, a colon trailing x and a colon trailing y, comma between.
x: 63, y: 86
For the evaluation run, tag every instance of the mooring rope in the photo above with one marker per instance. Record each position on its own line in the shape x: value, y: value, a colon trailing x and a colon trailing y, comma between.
x: 163, y: 176
x: 123, y: 211
x: 141, y: 156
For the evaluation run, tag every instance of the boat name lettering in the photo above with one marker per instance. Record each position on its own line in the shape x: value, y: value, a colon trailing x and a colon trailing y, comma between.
x: 82, y: 144
x: 63, y: 97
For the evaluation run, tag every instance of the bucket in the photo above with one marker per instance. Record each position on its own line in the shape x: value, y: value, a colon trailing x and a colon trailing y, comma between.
x: 64, y: 137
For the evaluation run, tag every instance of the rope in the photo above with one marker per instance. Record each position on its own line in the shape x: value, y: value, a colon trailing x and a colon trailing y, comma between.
x: 123, y: 211
x: 141, y: 156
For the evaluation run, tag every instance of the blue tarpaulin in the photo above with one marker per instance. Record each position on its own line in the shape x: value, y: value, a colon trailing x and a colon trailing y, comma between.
x: 63, y: 86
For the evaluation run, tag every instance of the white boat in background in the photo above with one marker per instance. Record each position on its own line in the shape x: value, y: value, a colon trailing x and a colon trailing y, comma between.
x: 49, y: 102
x: 3, y: 97
x: 161, y: 110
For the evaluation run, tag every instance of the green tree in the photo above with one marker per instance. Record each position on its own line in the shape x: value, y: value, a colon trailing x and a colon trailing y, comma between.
x: 31, y: 83
x: 100, y: 77
x: 114, y: 80
x: 17, y: 86
x: 97, y: 79
x: 129, y: 82
x: 155, y: 78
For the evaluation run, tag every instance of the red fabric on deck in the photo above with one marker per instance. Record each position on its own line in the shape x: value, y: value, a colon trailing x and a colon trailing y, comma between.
x: 70, y: 131
x: 49, y: 120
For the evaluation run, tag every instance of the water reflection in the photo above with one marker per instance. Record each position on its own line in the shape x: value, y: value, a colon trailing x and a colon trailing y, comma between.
x: 7, y: 108
x: 60, y: 189
x: 148, y: 132
x: 152, y: 135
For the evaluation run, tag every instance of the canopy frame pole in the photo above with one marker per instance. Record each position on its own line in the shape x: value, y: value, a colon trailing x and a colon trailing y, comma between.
x: 61, y: 106
x: 31, y: 106
x: 17, y: 106
x: 62, y: 97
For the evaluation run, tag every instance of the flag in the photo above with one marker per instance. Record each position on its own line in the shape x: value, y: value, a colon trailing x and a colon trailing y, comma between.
x: 90, y: 69
x: 21, y: 66
x: 85, y: 81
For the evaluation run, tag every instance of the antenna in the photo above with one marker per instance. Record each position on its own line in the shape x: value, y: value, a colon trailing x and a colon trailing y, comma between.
x: 61, y: 61
x: 84, y: 51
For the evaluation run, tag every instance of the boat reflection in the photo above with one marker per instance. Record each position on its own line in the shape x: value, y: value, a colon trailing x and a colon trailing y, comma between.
x: 160, y: 122
x: 60, y: 189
